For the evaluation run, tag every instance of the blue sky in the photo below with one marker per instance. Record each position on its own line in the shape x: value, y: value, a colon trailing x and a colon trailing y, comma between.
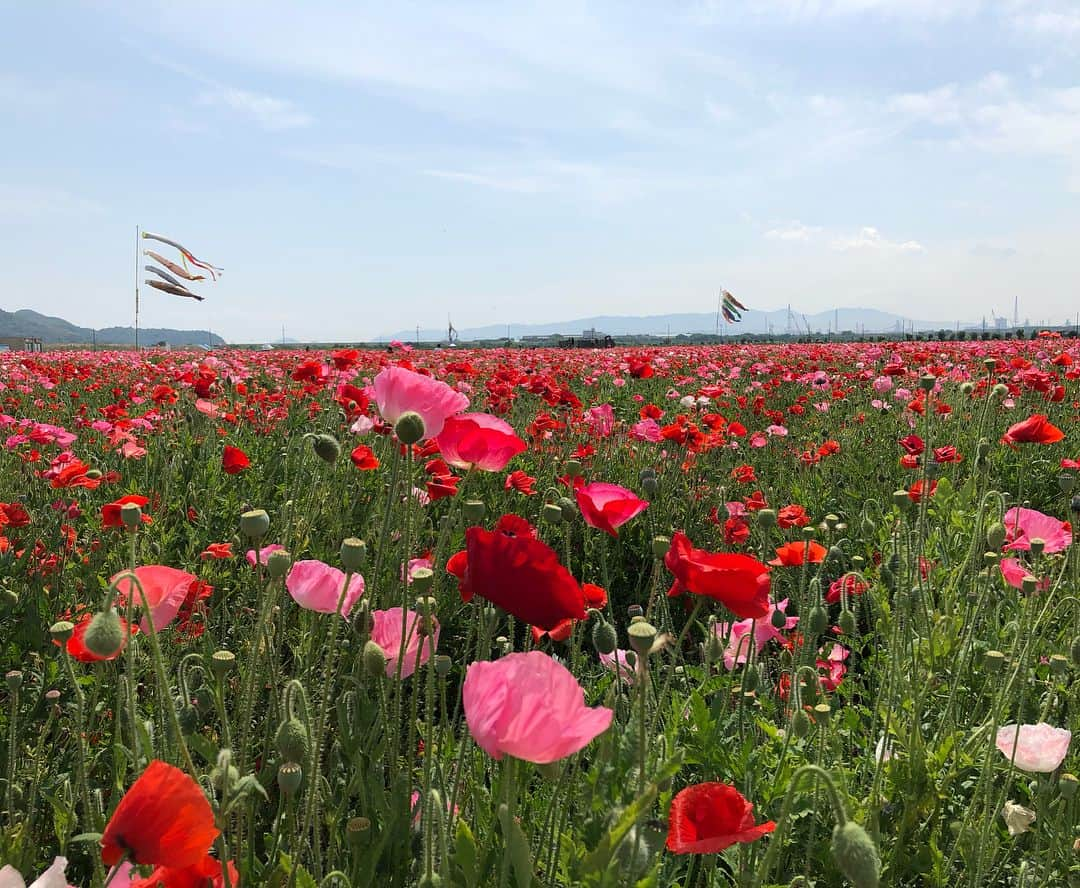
x: 361, y: 170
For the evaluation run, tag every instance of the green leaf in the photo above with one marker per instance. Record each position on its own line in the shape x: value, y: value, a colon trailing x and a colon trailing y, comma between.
x: 517, y: 846
x: 465, y: 853
x: 598, y: 859
x: 87, y: 837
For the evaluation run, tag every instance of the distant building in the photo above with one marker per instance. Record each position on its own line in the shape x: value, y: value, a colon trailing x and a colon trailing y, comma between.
x: 22, y: 343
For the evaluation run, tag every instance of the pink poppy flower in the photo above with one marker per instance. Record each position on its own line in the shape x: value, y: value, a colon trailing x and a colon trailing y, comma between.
x: 317, y: 587
x: 608, y: 506
x: 480, y: 440
x: 165, y: 588
x: 386, y: 633
x: 834, y: 667
x: 264, y: 553
x: 1013, y: 572
x: 600, y: 420
x: 1024, y: 525
x: 737, y: 634
x: 1040, y: 748
x: 646, y: 430
x: 399, y: 391
x: 530, y: 707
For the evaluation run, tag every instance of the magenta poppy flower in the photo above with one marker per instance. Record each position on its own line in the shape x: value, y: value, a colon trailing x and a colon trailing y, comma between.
x: 480, y: 440
x: 1013, y: 572
x: 386, y: 633
x: 165, y: 589
x: 608, y: 506
x: 530, y: 707
x: 264, y: 553
x: 317, y: 587
x: 1040, y: 748
x: 399, y: 391
x: 1024, y: 525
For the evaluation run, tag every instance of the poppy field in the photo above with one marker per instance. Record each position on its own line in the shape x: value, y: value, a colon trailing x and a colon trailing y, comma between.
x: 751, y: 615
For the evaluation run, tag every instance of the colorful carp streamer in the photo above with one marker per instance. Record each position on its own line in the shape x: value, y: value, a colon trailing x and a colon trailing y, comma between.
x: 731, y: 308
x: 186, y: 255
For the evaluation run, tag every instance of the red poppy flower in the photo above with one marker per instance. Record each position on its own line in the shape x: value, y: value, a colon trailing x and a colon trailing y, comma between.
x: 363, y: 457
x: 522, y: 576
x: 76, y: 645
x: 234, y: 460
x: 217, y: 551
x: 479, y: 440
x: 14, y: 515
x: 946, y: 454
x: 595, y: 596
x: 915, y: 492
x: 163, y: 819
x: 913, y: 445
x: 74, y: 474
x: 561, y: 632
x: 744, y: 474
x: 1036, y: 429
x: 522, y: 483
x: 793, y: 554
x: 346, y: 358
x: 110, y: 512
x: 736, y: 531
x: 608, y: 506
x: 708, y: 817
x: 515, y: 526
x: 792, y: 516
x: 737, y: 581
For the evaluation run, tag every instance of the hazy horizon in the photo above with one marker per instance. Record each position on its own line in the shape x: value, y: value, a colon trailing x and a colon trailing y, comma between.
x: 358, y: 171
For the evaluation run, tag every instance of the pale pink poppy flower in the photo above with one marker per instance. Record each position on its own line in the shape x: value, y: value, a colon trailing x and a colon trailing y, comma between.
x: 618, y: 382
x: 882, y: 384
x: 1024, y: 525
x: 363, y: 425
x: 478, y: 440
x: 165, y: 589
x: 1040, y: 748
x: 386, y: 633
x: 414, y: 565
x: 53, y: 877
x: 758, y: 439
x: 317, y: 587
x: 131, y: 450
x: 530, y: 707
x: 398, y: 391
x: 207, y: 407
x: 777, y: 431
x: 735, y: 509
x: 902, y: 394
x: 737, y: 634
x: 1014, y: 572
x: 264, y: 553
x: 617, y: 662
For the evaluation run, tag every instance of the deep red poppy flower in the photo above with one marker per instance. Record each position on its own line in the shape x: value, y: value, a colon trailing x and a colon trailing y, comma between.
x: 792, y: 516
x: 163, y: 819
x: 76, y: 645
x: 915, y: 492
x: 207, y: 873
x: 363, y: 457
x: 608, y: 506
x: 913, y: 445
x: 946, y: 454
x: 793, y: 554
x: 346, y: 358
x: 595, y: 596
x: 1036, y: 429
x: 74, y: 474
x: 14, y: 515
x: 522, y: 483
x: 561, y: 632
x: 737, y: 581
x: 522, y: 576
x: 515, y: 526
x: 110, y: 512
x: 234, y: 460
x: 708, y: 817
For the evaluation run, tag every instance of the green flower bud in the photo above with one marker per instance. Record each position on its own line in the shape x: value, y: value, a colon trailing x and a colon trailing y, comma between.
x: 778, y: 619
x: 289, y: 777
x: 105, y: 634
x: 765, y: 518
x: 604, y: 637
x: 927, y: 382
x: 222, y: 779
x: 714, y: 647
x: 422, y: 578
x: 966, y: 388
x: 443, y: 665
x: 353, y: 554
x: 751, y: 678
x: 995, y: 536
x: 8, y: 598
x: 1067, y: 785
x: 847, y: 622
x: 326, y: 447
x: 901, y: 500
x: 551, y: 513
x: 1066, y: 482
x: 278, y: 563
x: 569, y: 508
x: 650, y: 486
x: 1028, y: 585
x: 818, y: 620
x: 291, y: 740
x: 410, y: 428
x: 1074, y: 651
x: 800, y: 723
x: 1038, y: 546
x: 822, y: 711
x: 374, y: 660
x: 856, y: 855
x: 255, y: 524
x: 982, y: 449
x: 95, y: 474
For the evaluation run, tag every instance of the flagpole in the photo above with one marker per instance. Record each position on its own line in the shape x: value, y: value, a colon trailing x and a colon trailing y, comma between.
x: 136, y: 288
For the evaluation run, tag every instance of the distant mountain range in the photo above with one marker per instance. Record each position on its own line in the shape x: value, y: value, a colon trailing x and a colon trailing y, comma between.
x: 856, y: 320
x: 56, y: 330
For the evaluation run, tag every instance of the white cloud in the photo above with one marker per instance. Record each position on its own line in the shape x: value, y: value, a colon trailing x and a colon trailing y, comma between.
x: 266, y: 111
x: 869, y: 238
x: 794, y: 231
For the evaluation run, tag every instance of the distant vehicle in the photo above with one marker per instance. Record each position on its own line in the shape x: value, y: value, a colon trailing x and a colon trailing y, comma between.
x: 205, y: 348
x: 266, y: 347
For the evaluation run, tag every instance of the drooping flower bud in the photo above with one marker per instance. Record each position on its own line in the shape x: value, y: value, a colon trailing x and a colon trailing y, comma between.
x: 856, y: 855
x: 778, y: 619
x: 374, y: 659
x: 569, y: 508
x: 604, y: 637
x: 410, y: 428
x: 326, y: 447
x: 105, y: 635
x: 552, y: 513
x: 800, y: 723
x: 817, y: 620
x: 291, y: 740
x: 995, y: 536
x: 278, y: 563
x: 847, y: 622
